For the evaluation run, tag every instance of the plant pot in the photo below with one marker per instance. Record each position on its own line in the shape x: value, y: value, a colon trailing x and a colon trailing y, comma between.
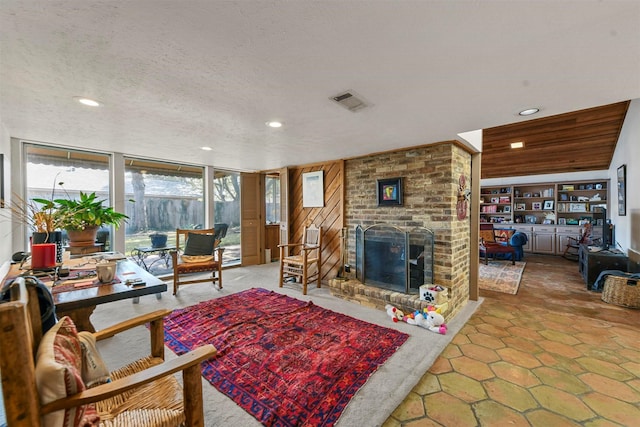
x: 158, y: 240
x: 82, y: 238
x: 52, y: 237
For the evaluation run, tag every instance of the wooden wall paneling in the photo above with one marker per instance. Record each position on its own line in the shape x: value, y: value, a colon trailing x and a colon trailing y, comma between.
x: 330, y: 217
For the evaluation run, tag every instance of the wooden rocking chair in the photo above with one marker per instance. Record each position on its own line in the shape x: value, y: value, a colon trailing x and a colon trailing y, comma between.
x: 144, y: 393
x: 304, y: 266
x: 573, y: 244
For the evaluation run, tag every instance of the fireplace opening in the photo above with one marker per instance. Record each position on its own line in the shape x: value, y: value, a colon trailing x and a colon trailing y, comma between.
x: 390, y: 258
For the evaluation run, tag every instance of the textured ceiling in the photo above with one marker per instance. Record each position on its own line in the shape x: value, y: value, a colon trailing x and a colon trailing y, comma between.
x: 178, y: 75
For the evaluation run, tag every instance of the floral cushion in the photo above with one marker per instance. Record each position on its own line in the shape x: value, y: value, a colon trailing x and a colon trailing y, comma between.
x: 59, y: 374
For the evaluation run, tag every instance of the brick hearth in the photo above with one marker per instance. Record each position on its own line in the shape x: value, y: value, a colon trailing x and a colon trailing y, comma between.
x: 353, y: 290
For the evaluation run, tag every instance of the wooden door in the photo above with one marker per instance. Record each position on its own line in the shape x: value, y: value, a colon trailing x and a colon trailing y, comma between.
x: 251, y: 220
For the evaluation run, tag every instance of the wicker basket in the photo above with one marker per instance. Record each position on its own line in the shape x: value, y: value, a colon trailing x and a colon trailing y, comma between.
x: 622, y: 291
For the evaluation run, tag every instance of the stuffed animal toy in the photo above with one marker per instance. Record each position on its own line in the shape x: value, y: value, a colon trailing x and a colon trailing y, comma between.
x: 430, y: 320
x: 394, y: 313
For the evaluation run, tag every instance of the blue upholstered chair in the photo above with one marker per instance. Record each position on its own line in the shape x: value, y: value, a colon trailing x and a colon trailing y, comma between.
x: 517, y: 241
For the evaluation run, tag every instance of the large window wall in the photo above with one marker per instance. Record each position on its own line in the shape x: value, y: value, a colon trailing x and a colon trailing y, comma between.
x: 164, y: 195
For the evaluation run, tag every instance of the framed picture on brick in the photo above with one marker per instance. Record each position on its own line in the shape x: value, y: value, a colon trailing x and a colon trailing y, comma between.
x: 389, y: 192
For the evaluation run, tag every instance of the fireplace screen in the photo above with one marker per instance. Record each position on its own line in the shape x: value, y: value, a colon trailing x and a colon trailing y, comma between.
x: 390, y: 258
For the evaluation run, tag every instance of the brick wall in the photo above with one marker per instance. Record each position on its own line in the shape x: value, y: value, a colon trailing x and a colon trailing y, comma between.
x: 431, y: 176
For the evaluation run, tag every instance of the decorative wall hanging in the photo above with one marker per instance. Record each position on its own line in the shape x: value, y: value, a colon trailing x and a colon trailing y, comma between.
x: 622, y: 190
x: 463, y: 198
x: 312, y: 190
x: 389, y: 192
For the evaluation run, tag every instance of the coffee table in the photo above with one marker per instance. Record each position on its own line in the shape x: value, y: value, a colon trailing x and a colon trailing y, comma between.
x: 80, y: 303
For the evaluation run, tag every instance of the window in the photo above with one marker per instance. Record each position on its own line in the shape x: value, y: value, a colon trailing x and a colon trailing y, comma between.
x: 272, y: 199
x: 62, y: 173
x: 166, y: 196
x: 226, y: 204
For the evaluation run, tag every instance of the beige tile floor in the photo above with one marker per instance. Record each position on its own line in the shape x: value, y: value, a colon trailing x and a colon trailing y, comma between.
x: 552, y: 355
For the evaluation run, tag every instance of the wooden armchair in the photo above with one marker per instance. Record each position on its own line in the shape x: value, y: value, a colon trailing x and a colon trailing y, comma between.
x: 144, y: 393
x: 490, y: 246
x: 304, y: 265
x: 197, y: 251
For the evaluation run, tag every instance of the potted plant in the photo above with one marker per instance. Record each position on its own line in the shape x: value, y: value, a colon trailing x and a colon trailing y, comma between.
x: 158, y: 240
x: 82, y: 218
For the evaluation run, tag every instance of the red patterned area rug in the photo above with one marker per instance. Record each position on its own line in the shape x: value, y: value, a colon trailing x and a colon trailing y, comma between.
x: 286, y: 362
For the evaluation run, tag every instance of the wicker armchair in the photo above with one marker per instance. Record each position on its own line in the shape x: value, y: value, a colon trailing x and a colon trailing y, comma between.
x: 144, y: 393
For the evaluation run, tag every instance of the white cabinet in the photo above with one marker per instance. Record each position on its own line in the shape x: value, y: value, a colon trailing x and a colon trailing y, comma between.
x: 563, y: 235
x: 544, y: 240
x: 526, y: 229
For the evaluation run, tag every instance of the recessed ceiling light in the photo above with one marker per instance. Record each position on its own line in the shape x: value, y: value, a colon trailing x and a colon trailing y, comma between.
x: 206, y: 148
x: 519, y: 144
x: 529, y: 111
x: 87, y: 101
x: 274, y: 124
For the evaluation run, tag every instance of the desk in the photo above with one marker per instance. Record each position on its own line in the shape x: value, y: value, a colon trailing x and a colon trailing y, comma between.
x: 79, y: 304
x: 141, y: 254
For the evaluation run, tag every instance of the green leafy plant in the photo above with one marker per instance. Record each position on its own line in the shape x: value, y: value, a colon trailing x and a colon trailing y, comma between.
x: 86, y: 212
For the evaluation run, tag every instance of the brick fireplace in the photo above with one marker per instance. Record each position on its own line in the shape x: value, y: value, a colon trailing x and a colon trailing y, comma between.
x: 430, y: 179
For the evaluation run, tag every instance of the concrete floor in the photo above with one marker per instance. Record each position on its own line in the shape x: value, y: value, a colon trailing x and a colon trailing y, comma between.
x: 552, y: 355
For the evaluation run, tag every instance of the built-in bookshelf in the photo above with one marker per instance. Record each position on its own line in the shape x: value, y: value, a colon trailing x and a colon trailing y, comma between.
x: 496, y: 204
x: 561, y: 203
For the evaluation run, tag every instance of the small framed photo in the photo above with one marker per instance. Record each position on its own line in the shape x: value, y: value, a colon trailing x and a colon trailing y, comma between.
x: 536, y: 206
x: 506, y: 209
x: 530, y: 219
x: 389, y: 192
x: 521, y: 206
x: 526, y: 195
x: 547, y: 221
x: 495, y: 200
x: 564, y: 197
x: 562, y: 221
x: 548, y: 205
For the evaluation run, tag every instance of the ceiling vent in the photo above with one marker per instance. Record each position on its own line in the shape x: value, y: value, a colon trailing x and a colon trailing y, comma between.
x: 349, y: 100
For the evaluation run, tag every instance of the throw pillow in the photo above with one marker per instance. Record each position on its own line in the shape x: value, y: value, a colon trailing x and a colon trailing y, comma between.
x: 503, y: 235
x: 199, y: 244
x: 59, y: 374
x: 487, y: 236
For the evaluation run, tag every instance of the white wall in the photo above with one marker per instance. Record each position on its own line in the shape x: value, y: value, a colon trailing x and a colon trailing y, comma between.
x: 5, y: 226
x: 627, y: 152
